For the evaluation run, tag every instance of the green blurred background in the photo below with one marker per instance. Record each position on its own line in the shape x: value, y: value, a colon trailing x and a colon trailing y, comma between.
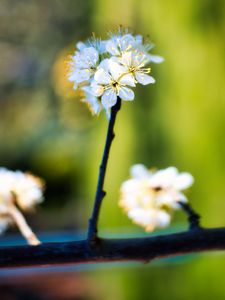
x: 178, y: 121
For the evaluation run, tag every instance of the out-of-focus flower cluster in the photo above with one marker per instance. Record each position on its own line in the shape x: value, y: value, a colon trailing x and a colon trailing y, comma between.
x: 105, y: 70
x: 21, y: 189
x: 149, y: 197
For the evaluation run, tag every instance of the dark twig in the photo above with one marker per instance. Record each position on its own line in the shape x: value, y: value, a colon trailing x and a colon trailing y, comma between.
x: 100, y: 193
x: 193, y: 217
x: 111, y: 250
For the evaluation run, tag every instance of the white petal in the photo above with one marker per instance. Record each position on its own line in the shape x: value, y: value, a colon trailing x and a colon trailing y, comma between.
x: 109, y: 98
x: 143, y: 78
x: 102, y: 77
x: 164, y: 178
x: 181, y: 198
x: 93, y: 102
x: 111, y: 47
x: 139, y: 39
x: 104, y: 64
x: 141, y: 217
x: 163, y: 218
x: 80, y: 61
x: 183, y: 181
x: 116, y: 70
x: 149, y: 218
x: 75, y: 86
x: 156, y: 58
x: 95, y: 89
x: 126, y: 59
x: 90, y: 56
x: 127, y: 79
x: 139, y: 171
x: 126, y: 94
x: 127, y: 42
x: 102, y: 47
x: 72, y: 77
x: 80, y: 46
x: 108, y: 113
x: 165, y: 198
x: 140, y: 59
x: 82, y: 75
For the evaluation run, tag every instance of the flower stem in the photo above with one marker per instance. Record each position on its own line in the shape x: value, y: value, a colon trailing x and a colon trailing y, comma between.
x: 193, y: 217
x: 24, y: 228
x: 100, y: 193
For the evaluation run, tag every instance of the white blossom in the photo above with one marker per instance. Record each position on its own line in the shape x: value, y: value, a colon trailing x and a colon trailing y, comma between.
x: 19, y: 190
x: 28, y: 190
x: 23, y: 188
x: 134, y: 63
x: 150, y: 196
x: 119, y: 44
x: 113, y: 83
x: 104, y: 70
x: 83, y: 65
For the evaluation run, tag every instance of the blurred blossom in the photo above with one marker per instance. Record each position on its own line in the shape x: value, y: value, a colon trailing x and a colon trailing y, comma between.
x: 23, y: 191
x: 150, y: 196
x: 25, y: 188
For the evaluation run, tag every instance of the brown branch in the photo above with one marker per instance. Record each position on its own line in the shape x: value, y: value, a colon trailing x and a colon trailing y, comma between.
x: 100, y: 193
x: 110, y: 250
x: 193, y: 216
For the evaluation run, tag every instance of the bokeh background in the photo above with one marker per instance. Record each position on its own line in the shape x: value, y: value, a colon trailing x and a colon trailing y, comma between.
x: 178, y: 121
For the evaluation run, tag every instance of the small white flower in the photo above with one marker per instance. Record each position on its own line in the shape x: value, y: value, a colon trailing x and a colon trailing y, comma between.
x: 112, y: 84
x: 28, y: 190
x: 134, y: 63
x: 19, y: 190
x: 149, y: 197
x: 119, y: 44
x: 83, y: 65
x: 24, y: 188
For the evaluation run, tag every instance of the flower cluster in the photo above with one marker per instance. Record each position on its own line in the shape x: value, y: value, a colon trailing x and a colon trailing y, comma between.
x: 149, y: 197
x: 105, y: 70
x: 20, y: 189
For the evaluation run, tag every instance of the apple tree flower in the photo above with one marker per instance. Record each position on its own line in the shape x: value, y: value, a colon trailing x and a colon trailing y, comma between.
x: 113, y: 83
x: 19, y: 191
x: 105, y: 70
x: 134, y: 64
x: 149, y: 197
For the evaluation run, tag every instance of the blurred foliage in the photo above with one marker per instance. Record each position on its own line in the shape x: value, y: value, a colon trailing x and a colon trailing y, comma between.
x: 178, y: 121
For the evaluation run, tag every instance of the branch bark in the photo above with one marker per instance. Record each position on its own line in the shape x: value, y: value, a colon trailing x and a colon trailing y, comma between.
x: 100, y: 193
x: 111, y: 250
x: 193, y: 216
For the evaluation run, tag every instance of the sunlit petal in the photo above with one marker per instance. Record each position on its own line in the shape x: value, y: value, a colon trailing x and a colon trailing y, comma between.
x: 156, y: 58
x: 109, y: 98
x: 116, y: 70
x: 102, y: 77
x: 143, y: 78
x: 126, y: 94
x: 128, y: 79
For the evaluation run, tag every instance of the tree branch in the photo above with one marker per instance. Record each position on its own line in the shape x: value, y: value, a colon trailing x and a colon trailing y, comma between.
x: 100, y: 193
x: 193, y: 217
x: 111, y: 250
